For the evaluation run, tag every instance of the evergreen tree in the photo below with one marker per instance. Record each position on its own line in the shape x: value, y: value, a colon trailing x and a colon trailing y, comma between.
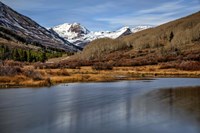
x: 44, y: 57
x: 28, y: 56
x: 3, y: 54
x: 6, y: 49
x: 6, y: 52
x: 170, y: 39
x: 25, y: 56
x: 16, y: 55
x: 21, y: 58
x: 171, y: 36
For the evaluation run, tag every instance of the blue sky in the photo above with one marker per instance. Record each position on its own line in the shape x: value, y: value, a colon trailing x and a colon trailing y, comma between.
x: 104, y: 14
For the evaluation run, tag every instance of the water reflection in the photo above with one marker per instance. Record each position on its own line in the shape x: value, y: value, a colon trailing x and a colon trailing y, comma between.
x: 123, y: 107
x: 182, y: 102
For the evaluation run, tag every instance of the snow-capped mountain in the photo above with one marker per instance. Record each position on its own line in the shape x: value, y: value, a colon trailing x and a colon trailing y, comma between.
x: 140, y: 28
x: 80, y: 36
x: 71, y: 31
x: 15, y: 24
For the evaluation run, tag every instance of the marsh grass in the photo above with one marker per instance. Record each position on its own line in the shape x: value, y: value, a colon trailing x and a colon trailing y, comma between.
x: 30, y: 77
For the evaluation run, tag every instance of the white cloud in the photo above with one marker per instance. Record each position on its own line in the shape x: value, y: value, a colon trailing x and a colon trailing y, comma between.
x: 154, y: 16
x: 96, y: 8
x: 165, y: 7
x: 139, y: 20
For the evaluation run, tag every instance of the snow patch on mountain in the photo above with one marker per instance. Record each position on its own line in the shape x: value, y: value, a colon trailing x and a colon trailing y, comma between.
x: 140, y: 28
x: 80, y: 36
x: 71, y: 31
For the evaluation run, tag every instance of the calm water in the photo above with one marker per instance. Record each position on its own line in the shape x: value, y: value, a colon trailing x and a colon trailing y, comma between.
x: 168, y: 105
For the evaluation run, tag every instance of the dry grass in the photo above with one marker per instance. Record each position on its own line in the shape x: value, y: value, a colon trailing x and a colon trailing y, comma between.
x: 48, y: 77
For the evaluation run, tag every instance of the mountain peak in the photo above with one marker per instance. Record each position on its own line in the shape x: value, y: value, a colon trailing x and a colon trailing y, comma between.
x: 79, y: 35
x: 71, y: 31
x: 75, y: 24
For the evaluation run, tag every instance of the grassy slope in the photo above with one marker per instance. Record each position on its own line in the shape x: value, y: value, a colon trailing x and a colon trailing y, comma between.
x: 178, y: 40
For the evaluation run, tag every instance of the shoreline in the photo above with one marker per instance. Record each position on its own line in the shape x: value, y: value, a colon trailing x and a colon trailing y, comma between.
x: 50, y: 77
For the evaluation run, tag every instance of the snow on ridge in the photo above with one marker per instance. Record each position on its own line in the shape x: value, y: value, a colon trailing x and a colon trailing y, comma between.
x: 140, y: 28
x: 77, y: 34
x: 70, y: 31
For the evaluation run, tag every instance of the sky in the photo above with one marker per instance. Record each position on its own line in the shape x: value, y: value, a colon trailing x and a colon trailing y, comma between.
x: 104, y: 14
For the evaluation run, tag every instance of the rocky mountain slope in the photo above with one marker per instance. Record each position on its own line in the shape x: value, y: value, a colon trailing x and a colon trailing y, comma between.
x: 19, y: 28
x: 80, y: 36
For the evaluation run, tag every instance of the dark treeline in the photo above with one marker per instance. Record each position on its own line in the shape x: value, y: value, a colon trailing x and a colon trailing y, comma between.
x: 27, y: 55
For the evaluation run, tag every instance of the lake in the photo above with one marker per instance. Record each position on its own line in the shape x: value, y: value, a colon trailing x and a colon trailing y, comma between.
x: 163, y: 105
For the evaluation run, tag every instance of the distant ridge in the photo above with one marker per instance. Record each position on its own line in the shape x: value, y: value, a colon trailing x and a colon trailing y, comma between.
x: 81, y: 36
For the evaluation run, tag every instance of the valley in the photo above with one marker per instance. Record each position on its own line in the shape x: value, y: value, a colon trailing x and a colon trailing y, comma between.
x: 32, y: 55
x: 106, y: 66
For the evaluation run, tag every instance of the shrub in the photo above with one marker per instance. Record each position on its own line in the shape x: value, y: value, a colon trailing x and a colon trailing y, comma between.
x: 169, y: 65
x: 9, y: 70
x: 189, y: 65
x: 12, y: 63
x: 31, y: 73
x: 73, y: 64
x: 63, y: 72
x: 40, y: 65
x: 192, y: 56
x: 184, y: 65
x: 102, y: 66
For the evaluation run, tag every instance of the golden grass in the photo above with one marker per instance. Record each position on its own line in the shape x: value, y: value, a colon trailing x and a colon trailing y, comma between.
x: 87, y: 74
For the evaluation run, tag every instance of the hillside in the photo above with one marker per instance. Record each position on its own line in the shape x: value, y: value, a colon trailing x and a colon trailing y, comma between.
x: 17, y: 30
x: 175, y: 42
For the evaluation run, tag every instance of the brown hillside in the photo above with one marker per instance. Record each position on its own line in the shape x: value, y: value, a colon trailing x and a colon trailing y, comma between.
x: 177, y: 41
x: 185, y: 31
